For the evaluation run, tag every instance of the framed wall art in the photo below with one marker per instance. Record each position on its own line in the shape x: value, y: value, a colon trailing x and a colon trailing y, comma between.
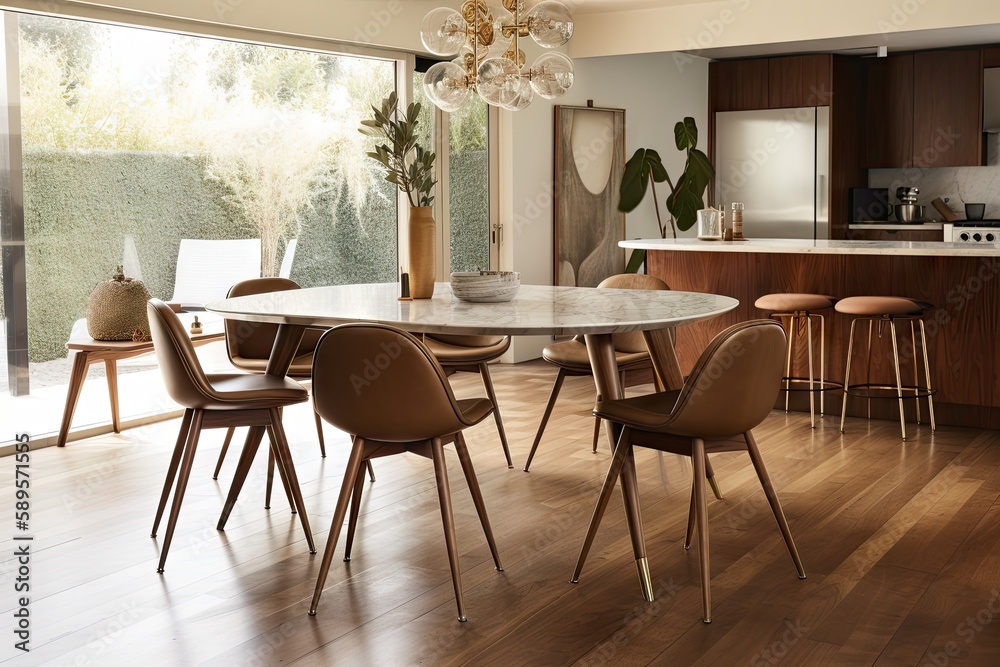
x: 589, y: 159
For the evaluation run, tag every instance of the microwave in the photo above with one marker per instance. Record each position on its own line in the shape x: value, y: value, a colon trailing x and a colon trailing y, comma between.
x: 869, y: 204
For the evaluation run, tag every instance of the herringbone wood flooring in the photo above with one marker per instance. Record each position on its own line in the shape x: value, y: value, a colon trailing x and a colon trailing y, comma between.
x: 901, y: 542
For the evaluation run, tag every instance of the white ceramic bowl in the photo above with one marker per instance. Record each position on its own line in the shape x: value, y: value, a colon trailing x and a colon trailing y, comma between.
x: 485, y: 286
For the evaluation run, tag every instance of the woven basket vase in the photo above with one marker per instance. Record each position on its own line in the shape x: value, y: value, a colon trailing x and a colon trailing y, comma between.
x: 116, y: 310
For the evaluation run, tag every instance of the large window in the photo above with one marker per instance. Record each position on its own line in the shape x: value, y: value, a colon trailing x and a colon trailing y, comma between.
x: 461, y: 141
x: 135, y: 139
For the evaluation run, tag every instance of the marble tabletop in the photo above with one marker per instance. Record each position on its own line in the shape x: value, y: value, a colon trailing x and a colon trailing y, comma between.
x: 537, y: 309
x: 823, y: 247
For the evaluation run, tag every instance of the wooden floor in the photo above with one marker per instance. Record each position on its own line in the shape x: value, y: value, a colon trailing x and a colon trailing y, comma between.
x: 901, y: 542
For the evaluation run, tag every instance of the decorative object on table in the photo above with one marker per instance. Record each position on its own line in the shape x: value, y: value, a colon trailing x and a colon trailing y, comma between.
x: 196, y: 326
x: 486, y: 38
x: 404, y: 287
x: 975, y: 211
x: 738, y: 221
x: 116, y: 309
x: 485, y: 286
x: 686, y: 193
x: 709, y: 224
x: 411, y: 168
x: 589, y: 161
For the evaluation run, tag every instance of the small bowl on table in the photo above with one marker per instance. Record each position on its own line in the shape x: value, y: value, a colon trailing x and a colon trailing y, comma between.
x: 485, y: 286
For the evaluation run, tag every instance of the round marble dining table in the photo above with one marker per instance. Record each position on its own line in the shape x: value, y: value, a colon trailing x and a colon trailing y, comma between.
x: 535, y: 310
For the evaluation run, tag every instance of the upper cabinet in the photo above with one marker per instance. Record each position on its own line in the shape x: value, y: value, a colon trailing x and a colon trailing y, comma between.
x: 925, y: 109
x: 738, y: 85
x: 948, y: 109
x: 799, y: 81
x: 770, y: 83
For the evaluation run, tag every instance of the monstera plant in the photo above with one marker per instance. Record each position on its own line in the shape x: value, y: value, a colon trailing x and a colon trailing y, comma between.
x: 645, y: 168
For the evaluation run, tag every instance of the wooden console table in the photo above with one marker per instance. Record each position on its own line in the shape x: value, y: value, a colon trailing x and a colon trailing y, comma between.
x: 90, y: 351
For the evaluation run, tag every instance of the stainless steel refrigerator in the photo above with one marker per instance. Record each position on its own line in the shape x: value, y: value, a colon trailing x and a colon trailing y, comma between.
x: 777, y: 162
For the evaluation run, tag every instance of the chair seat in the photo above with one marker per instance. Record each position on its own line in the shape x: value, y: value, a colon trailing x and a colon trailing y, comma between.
x: 572, y: 354
x: 787, y: 303
x: 646, y: 412
x: 474, y: 410
x: 301, y: 365
x: 875, y: 306
x: 238, y: 391
x: 448, y: 354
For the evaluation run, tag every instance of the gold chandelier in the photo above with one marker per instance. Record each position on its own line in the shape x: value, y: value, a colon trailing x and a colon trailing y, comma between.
x: 485, y: 38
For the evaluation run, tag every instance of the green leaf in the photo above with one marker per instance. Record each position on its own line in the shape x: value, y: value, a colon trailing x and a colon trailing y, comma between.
x: 685, y: 202
x: 686, y: 134
x: 635, y: 177
x: 635, y: 260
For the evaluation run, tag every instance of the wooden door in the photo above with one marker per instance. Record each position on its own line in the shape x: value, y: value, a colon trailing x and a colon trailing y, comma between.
x: 948, y: 108
x: 890, y: 112
x: 800, y: 81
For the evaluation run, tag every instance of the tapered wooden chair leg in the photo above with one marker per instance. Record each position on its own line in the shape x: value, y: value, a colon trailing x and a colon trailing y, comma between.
x: 371, y: 471
x: 484, y: 370
x: 291, y: 480
x: 772, y: 500
x: 448, y: 519
x: 692, y: 519
x: 346, y: 488
x: 597, y: 434
x: 254, y: 436
x: 352, y: 520
x: 225, y: 448
x: 270, y: 477
x: 182, y: 479
x: 701, y: 511
x: 172, y: 469
x: 712, y: 481
x: 477, y: 496
x: 617, y: 461
x: 553, y: 395
x: 282, y: 474
x: 633, y: 516
x: 319, y: 433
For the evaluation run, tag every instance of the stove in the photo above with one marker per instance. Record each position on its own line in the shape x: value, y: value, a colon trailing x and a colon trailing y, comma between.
x: 973, y: 231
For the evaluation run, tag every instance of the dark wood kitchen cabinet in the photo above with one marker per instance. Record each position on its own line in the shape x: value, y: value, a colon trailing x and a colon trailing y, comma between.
x: 948, y: 108
x: 738, y: 85
x: 925, y: 109
x: 800, y: 81
x: 890, y: 111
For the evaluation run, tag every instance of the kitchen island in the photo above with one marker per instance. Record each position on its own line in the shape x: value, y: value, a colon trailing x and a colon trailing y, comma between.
x: 960, y: 279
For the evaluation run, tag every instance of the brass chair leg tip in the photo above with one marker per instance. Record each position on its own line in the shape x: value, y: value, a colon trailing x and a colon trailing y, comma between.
x: 311, y: 612
x: 687, y: 547
x: 462, y: 619
x: 152, y: 534
x: 267, y: 507
x: 706, y: 621
x: 215, y: 477
x: 347, y: 559
x: 159, y: 570
x: 312, y: 552
x: 574, y: 581
x: 802, y: 576
x: 510, y: 466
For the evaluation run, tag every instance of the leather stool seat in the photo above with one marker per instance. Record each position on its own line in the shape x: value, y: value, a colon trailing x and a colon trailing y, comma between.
x: 874, y: 306
x: 788, y: 303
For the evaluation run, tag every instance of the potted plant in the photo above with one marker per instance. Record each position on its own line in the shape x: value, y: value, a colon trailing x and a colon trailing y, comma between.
x: 686, y: 193
x: 410, y: 167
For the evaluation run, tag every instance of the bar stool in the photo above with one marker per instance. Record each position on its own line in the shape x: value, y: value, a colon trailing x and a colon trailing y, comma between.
x: 800, y: 308
x: 891, y: 309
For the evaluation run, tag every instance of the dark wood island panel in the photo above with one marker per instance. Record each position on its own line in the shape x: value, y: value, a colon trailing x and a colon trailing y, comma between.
x: 963, y: 330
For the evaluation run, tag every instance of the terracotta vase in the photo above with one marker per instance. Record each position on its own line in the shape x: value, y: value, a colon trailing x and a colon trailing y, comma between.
x: 421, y: 232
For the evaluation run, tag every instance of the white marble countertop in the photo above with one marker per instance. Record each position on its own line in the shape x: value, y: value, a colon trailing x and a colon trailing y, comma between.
x: 795, y: 246
x: 537, y: 309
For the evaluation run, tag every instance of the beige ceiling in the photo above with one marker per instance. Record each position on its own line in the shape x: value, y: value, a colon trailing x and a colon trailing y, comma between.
x: 595, y: 6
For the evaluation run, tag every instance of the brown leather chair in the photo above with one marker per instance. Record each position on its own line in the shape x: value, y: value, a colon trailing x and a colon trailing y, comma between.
x: 364, y: 372
x: 249, y: 344
x: 730, y: 391
x: 473, y: 354
x: 219, y: 400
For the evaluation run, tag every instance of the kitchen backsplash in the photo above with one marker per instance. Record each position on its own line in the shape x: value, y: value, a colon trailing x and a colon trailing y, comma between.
x: 962, y: 184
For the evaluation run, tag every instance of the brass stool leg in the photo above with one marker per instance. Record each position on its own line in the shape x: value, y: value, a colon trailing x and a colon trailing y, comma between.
x: 788, y: 364
x: 822, y: 365
x: 916, y: 372
x: 899, y: 381
x: 927, y: 375
x: 868, y: 368
x: 847, y: 375
x: 812, y: 394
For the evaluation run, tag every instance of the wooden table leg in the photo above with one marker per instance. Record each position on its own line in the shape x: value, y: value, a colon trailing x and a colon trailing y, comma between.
x: 660, y: 343
x: 111, y: 370
x: 81, y: 361
x: 601, y: 349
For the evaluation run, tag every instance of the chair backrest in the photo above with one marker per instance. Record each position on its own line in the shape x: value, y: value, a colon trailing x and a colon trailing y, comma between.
x: 254, y: 340
x: 734, y: 384
x: 206, y: 268
x: 286, y: 260
x: 182, y: 372
x: 632, y: 342
x: 380, y: 383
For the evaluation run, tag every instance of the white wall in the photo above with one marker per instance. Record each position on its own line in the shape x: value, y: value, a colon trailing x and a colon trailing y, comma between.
x: 655, y: 93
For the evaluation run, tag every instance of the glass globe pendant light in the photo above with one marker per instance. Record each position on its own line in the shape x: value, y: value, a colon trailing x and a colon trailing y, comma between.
x: 486, y: 38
